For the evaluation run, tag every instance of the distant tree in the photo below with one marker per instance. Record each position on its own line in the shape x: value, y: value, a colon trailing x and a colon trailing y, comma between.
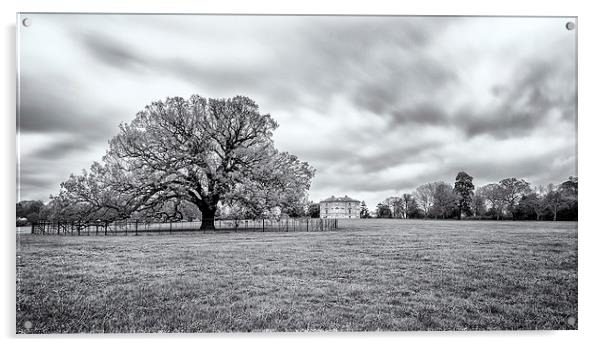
x: 364, y: 212
x: 205, y: 151
x: 478, y: 204
x: 29, y: 209
x: 445, y: 201
x: 527, y: 207
x: 396, y: 206
x: 534, y: 203
x: 313, y: 210
x: 425, y: 195
x: 494, y: 196
x: 294, y: 209
x: 383, y: 210
x: 406, y: 203
x: 569, y: 191
x: 465, y: 191
x: 413, y: 211
x: 569, y: 188
x: 512, y: 190
x: 555, y: 201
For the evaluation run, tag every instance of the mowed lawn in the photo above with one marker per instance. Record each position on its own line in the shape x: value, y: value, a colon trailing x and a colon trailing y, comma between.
x: 368, y: 275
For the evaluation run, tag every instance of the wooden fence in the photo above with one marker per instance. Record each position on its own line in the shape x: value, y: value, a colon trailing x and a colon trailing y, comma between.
x: 129, y: 227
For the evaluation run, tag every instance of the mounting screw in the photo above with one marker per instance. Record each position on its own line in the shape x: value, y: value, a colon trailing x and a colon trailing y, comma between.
x: 570, y: 26
x: 27, y: 325
x: 26, y: 22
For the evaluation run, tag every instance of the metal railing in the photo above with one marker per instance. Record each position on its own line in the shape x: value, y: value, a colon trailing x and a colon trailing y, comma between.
x: 137, y: 227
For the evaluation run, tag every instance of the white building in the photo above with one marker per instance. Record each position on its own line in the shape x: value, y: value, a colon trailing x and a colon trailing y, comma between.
x: 344, y: 207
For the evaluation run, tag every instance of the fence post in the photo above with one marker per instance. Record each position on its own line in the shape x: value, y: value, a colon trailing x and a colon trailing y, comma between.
x: 106, y: 227
x: 287, y: 225
x: 96, y: 229
x: 136, y: 233
x: 262, y: 225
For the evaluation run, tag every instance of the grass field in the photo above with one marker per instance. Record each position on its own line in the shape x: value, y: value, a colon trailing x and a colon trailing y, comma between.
x: 369, y: 275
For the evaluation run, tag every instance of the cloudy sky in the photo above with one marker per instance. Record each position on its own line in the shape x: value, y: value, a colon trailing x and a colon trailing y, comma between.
x: 378, y: 105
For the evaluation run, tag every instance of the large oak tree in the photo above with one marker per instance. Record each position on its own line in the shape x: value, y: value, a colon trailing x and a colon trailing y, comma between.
x: 197, y: 151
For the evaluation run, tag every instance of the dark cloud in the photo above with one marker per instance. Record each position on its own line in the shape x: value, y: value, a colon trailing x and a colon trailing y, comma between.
x: 536, y: 89
x: 53, y: 104
x: 110, y: 51
x: 377, y: 61
x: 61, y: 148
x: 406, y: 153
x: 399, y: 82
x: 421, y: 114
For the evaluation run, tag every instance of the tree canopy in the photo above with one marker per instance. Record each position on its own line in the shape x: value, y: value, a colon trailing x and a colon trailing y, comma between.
x: 181, y: 152
x: 465, y: 190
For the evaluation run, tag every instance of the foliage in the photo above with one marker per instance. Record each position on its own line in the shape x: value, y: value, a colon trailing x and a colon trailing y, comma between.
x: 29, y: 209
x: 445, y: 201
x: 478, y: 204
x: 383, y: 211
x: 493, y: 195
x: 313, y: 210
x: 512, y: 190
x: 425, y: 195
x: 531, y: 206
x: 364, y: 212
x: 395, y: 204
x: 465, y: 191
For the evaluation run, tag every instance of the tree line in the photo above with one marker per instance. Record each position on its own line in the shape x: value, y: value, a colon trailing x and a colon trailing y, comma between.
x: 510, y: 198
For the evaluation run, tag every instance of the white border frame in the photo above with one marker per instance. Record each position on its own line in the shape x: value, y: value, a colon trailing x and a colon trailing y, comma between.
x: 589, y: 173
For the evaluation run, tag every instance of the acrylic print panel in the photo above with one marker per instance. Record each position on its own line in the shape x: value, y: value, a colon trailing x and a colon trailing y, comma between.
x: 295, y: 173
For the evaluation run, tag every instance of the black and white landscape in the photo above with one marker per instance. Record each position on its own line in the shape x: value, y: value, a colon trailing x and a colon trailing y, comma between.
x: 205, y: 173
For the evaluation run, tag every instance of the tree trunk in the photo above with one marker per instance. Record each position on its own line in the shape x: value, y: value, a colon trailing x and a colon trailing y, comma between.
x: 208, y: 217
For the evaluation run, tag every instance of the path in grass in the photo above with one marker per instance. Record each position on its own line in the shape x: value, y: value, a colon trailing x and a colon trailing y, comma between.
x: 370, y: 275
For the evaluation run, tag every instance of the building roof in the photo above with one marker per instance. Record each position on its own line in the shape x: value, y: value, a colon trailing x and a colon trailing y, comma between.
x: 341, y: 199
